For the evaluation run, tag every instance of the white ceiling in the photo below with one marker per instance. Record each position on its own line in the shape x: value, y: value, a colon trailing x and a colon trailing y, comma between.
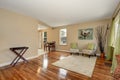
x: 63, y: 12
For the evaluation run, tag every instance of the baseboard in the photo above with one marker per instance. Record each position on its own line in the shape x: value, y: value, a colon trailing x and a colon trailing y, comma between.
x: 7, y: 63
x: 62, y: 50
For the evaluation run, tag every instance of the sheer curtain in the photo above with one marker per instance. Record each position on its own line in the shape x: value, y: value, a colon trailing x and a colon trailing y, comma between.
x: 116, y: 45
x: 110, y: 42
x: 114, y: 42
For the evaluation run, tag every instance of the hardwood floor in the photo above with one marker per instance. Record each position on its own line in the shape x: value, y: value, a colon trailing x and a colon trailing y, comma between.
x: 41, y: 69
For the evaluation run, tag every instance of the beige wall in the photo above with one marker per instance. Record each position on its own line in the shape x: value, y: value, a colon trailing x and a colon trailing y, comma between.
x: 72, y: 34
x: 17, y: 30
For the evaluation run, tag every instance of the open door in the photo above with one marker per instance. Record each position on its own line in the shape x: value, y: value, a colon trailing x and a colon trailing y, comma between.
x: 40, y: 39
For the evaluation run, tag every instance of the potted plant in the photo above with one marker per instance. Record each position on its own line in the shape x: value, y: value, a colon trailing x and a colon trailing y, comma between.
x: 101, y: 33
x: 101, y: 47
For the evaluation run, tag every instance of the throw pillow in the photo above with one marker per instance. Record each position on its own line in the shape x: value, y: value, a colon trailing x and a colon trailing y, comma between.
x: 90, y: 46
x: 74, y: 45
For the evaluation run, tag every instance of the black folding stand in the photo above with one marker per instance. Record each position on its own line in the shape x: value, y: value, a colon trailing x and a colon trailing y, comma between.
x: 19, y: 54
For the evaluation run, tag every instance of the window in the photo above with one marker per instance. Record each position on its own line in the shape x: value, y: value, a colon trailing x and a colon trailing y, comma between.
x: 63, y: 37
x: 44, y: 37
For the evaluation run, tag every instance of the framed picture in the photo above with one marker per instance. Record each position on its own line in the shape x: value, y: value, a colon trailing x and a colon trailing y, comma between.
x: 85, y: 34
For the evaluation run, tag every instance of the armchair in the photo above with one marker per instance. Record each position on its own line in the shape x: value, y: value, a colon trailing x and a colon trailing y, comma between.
x: 74, y: 48
x: 90, y: 50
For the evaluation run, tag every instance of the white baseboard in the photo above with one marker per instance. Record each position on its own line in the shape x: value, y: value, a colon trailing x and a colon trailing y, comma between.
x: 8, y: 63
x: 62, y: 50
x: 40, y: 52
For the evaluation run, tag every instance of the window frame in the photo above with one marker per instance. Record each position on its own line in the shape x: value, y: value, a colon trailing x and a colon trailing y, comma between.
x: 63, y: 36
x: 44, y: 36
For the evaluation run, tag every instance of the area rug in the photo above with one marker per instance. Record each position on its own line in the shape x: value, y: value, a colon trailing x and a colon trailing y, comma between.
x: 79, y: 64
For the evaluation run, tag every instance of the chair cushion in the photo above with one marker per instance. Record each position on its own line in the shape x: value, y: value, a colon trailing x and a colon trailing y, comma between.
x: 90, y: 46
x: 85, y: 51
x: 74, y: 50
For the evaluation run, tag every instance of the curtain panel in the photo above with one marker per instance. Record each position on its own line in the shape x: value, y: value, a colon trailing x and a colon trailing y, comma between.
x: 116, y: 47
x: 110, y: 42
x: 114, y: 42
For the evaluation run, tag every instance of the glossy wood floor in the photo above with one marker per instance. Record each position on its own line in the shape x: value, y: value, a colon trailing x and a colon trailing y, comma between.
x: 41, y: 69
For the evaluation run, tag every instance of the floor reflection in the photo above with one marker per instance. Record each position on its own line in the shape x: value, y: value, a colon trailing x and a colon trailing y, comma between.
x: 38, y: 70
x: 62, y: 57
x: 62, y: 73
x: 45, y: 62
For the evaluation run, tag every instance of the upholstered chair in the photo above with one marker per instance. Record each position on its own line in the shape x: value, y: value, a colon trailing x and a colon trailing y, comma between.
x: 74, y: 48
x: 90, y: 49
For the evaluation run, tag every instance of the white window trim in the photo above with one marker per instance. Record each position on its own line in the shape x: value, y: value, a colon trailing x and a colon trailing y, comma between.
x: 60, y: 42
